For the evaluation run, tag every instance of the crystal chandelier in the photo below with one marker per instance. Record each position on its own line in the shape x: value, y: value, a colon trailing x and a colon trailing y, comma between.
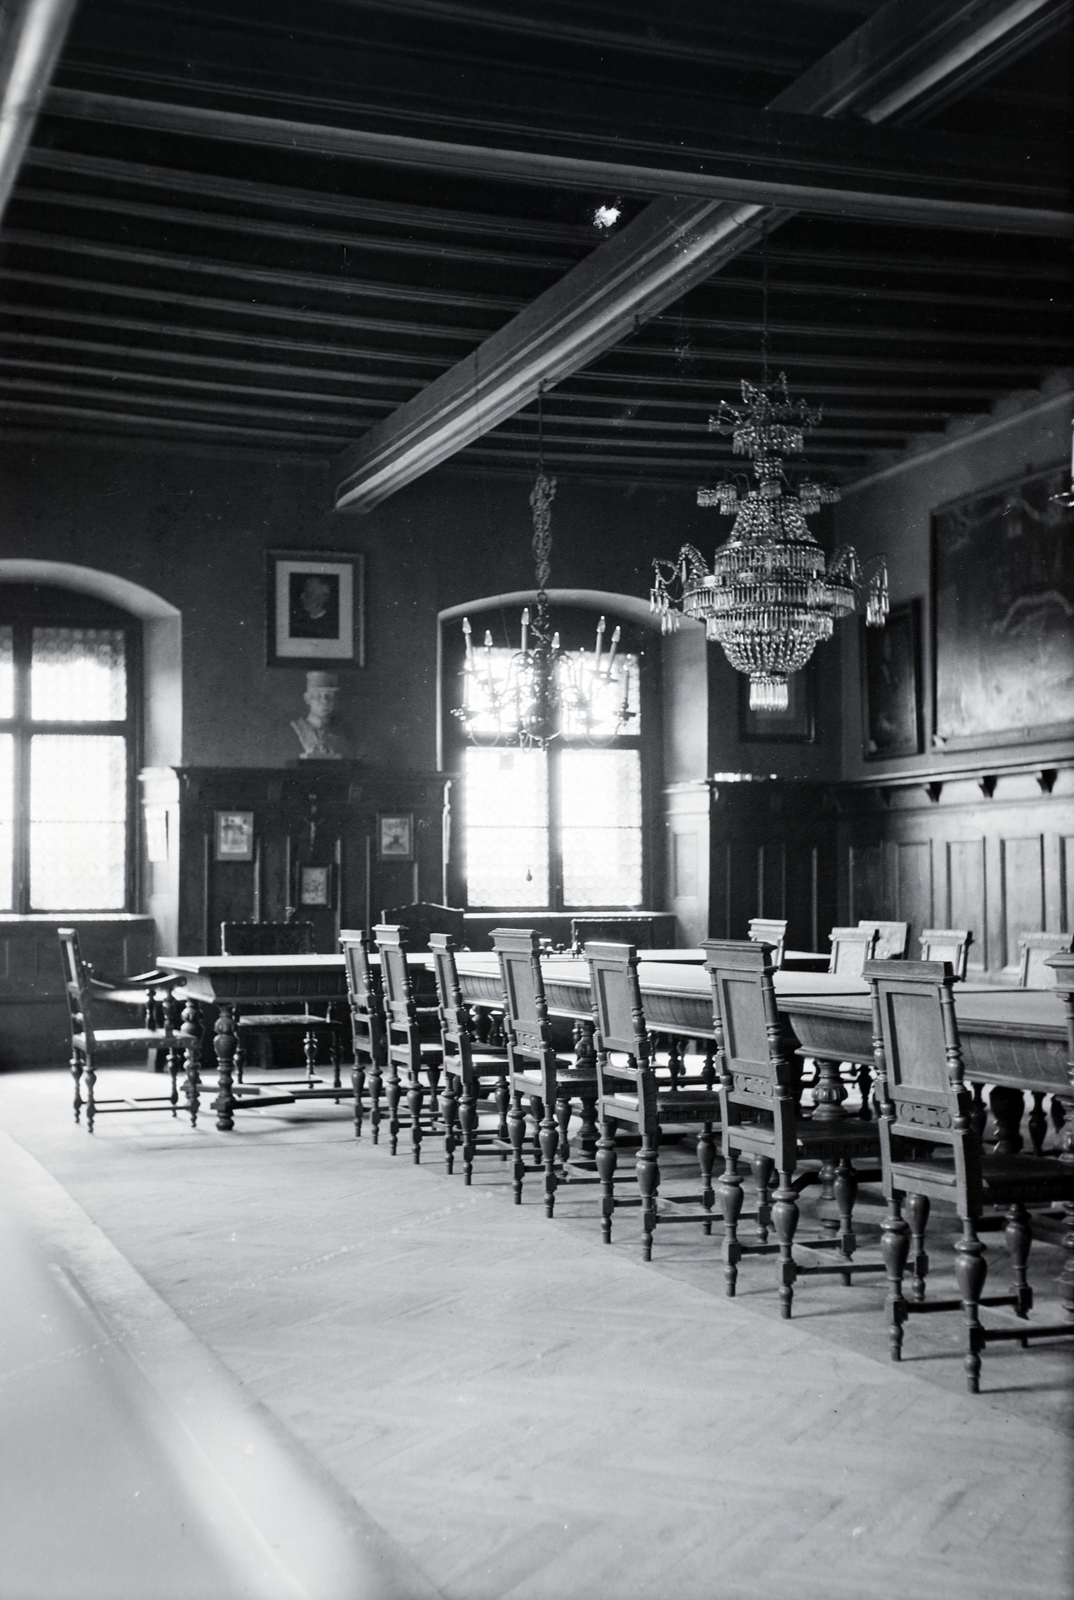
x: 533, y: 695
x: 770, y: 598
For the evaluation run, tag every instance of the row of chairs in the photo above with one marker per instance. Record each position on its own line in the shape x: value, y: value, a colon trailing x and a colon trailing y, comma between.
x: 851, y: 947
x: 924, y: 1146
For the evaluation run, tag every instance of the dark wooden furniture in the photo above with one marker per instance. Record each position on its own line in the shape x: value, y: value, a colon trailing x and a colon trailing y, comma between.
x: 232, y: 982
x: 423, y: 919
x: 851, y: 948
x: 280, y: 939
x: 413, y: 1058
x: 892, y: 939
x: 931, y: 1149
x: 947, y: 944
x: 769, y: 930
x: 1062, y: 964
x: 630, y: 1091
x: 160, y: 1042
x: 760, y: 1120
x: 367, y: 1027
x: 638, y: 931
x: 474, y: 1073
x: 537, y: 1074
x: 1034, y: 970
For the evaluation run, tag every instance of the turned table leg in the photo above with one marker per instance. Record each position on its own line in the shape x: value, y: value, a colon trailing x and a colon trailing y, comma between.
x: 224, y: 1045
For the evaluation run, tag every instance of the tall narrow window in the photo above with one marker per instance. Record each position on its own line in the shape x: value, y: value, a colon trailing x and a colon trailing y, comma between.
x: 66, y: 751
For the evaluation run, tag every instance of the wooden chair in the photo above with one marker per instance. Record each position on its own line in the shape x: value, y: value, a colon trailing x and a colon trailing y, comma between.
x: 760, y: 1120
x: 418, y: 1060
x: 629, y: 1091
x: 88, y: 1043
x: 931, y: 1150
x: 536, y: 1073
x: 281, y: 939
x: 892, y: 939
x: 637, y: 931
x: 423, y: 919
x: 367, y: 1027
x: 769, y: 930
x: 851, y: 949
x: 1033, y: 970
x: 947, y: 944
x: 472, y: 1073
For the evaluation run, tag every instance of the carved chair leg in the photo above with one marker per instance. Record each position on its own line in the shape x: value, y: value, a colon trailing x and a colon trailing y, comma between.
x: 846, y: 1192
x: 895, y: 1249
x: 468, y: 1128
x: 358, y: 1089
x: 607, y: 1160
x: 76, y: 1073
x: 706, y: 1160
x: 587, y: 1128
x: 190, y: 1033
x: 979, y: 1113
x: 415, y: 1097
x: 648, y: 1172
x: 335, y: 1038
x: 918, y: 1207
x: 393, y: 1094
x: 1019, y: 1237
x: 503, y: 1106
x: 864, y: 1077
x: 89, y: 1078
x: 516, y: 1124
x: 238, y: 1060
x: 375, y: 1081
x: 1037, y: 1124
x: 309, y: 1050
x: 785, y: 1222
x: 537, y: 1114
x: 764, y: 1169
x: 549, y: 1137
x: 971, y: 1270
x: 432, y: 1072
x: 563, y: 1117
x: 731, y: 1206
x: 449, y: 1107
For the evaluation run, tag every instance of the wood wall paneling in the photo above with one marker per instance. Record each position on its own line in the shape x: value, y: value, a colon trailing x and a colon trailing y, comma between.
x: 963, y: 894
x: 1022, y: 879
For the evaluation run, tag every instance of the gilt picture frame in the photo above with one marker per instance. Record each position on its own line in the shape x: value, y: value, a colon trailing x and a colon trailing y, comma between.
x: 233, y: 836
x: 395, y: 836
x: 315, y: 613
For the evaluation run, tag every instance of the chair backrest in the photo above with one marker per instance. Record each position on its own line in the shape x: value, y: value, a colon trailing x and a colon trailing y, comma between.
x: 422, y: 919
x: 851, y: 949
x: 947, y: 944
x: 920, y: 1083
x: 617, y: 1003
x: 770, y: 930
x: 363, y: 990
x: 525, y: 1009
x: 1033, y: 971
x: 393, y: 945
x: 266, y: 938
x: 892, y: 939
x: 454, y: 1013
x: 76, y: 983
x: 637, y: 931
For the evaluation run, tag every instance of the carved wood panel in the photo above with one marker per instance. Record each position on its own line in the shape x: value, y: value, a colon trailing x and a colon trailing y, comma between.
x: 1022, y: 869
x: 963, y: 895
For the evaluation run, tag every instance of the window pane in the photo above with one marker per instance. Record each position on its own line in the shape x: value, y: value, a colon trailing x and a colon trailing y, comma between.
x: 7, y: 672
x: 600, y: 812
x: 78, y: 675
x: 604, y: 693
x: 7, y: 805
x: 78, y: 822
x: 506, y: 827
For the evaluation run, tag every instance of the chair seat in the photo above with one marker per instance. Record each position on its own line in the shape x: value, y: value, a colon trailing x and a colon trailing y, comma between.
x: 679, y: 1106
x: 1003, y: 1178
x: 125, y: 997
x: 285, y: 1019
x: 109, y: 1036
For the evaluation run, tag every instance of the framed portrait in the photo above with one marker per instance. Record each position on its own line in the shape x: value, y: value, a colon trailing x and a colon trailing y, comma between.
x: 316, y: 609
x: 315, y: 886
x: 1003, y: 603
x: 891, y: 684
x: 234, y: 836
x: 395, y: 836
x: 793, y: 726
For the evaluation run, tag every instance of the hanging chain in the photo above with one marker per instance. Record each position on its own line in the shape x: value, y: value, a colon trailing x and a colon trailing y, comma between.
x: 541, y: 498
x: 764, y: 306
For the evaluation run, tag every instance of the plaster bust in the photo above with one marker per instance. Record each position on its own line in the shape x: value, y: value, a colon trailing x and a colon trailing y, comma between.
x: 312, y: 729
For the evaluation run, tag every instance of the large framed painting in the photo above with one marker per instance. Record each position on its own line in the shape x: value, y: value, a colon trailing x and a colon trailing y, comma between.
x: 891, y: 684
x: 1003, y: 615
x: 316, y: 609
x: 792, y: 726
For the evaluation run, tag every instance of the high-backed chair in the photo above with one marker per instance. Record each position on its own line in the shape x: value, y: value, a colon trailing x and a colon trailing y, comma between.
x: 367, y: 1026
x: 281, y: 939
x: 629, y: 1091
x: 536, y: 1074
x: 931, y: 1150
x: 851, y: 949
x: 757, y: 1109
x: 947, y: 944
x: 892, y: 939
x: 1033, y: 969
x: 413, y: 1062
x: 162, y: 1044
x: 472, y: 1072
x: 770, y: 930
x: 637, y: 931
x: 424, y: 918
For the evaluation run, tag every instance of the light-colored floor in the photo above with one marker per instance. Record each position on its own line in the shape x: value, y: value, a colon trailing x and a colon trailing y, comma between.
x: 455, y: 1396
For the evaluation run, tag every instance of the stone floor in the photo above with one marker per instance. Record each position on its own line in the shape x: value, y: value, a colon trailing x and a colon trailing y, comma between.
x: 475, y: 1402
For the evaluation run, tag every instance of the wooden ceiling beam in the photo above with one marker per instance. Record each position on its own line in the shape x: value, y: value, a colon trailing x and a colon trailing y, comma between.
x: 31, y: 39
x: 673, y: 245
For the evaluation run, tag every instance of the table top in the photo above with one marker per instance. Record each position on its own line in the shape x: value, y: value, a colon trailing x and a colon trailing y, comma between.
x: 671, y: 977
x: 248, y: 963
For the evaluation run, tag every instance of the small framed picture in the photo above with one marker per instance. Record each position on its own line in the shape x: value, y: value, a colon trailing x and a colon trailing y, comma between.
x: 395, y: 836
x: 793, y: 726
x: 315, y: 886
x: 316, y: 609
x: 234, y: 834
x: 891, y: 684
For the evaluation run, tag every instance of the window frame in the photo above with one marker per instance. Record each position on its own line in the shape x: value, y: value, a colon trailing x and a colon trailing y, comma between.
x: 22, y: 608
x: 576, y: 623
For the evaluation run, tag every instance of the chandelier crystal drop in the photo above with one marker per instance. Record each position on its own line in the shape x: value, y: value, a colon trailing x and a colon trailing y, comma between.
x: 771, y: 596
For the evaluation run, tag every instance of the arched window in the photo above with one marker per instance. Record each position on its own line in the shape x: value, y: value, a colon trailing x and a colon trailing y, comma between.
x: 69, y: 699
x: 562, y: 829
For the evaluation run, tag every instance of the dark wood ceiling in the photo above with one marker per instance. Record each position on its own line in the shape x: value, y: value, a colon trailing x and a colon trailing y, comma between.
x: 201, y: 279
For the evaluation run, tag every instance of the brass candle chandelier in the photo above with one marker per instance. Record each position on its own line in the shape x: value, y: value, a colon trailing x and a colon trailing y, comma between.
x: 771, y: 597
